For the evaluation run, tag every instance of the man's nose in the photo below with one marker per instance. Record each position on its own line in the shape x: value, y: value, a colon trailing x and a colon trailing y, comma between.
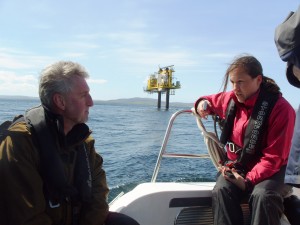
x: 90, y: 101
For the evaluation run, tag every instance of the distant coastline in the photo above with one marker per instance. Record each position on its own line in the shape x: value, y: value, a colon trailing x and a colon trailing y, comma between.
x: 16, y: 97
x: 127, y: 101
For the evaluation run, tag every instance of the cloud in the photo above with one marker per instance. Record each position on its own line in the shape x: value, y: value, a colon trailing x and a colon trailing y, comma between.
x: 131, y: 38
x: 96, y: 81
x: 12, y: 59
x: 16, y: 59
x: 155, y: 57
x: 76, y: 45
x: 73, y: 54
x: 88, y: 37
x: 12, y: 84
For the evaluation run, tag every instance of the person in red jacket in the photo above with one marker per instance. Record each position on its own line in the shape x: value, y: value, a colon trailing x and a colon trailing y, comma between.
x: 257, y: 135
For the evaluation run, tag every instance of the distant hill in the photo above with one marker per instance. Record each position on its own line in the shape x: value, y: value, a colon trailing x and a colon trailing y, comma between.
x: 141, y: 101
x: 124, y: 101
x: 16, y: 97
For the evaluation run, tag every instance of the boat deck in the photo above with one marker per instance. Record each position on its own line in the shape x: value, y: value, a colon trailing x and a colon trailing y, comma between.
x: 174, y: 204
x: 202, y: 215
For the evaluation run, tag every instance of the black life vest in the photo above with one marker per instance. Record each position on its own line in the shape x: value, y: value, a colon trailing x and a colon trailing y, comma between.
x: 255, y: 129
x: 43, y: 125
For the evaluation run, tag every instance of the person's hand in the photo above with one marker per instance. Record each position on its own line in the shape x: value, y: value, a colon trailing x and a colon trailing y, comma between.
x: 232, y: 176
x: 203, y: 108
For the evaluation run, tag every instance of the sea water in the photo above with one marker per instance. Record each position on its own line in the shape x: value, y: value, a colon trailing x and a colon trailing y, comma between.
x: 129, y: 138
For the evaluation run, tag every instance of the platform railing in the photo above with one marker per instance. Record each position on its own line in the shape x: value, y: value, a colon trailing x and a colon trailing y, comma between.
x: 163, y: 152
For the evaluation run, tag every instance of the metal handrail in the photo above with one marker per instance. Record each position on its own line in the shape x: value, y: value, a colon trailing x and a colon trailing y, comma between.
x: 163, y: 153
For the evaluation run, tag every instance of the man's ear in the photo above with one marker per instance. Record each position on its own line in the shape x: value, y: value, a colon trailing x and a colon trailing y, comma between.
x: 59, y: 101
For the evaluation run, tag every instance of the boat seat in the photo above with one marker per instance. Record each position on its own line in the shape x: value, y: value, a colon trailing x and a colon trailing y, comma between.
x: 202, y: 215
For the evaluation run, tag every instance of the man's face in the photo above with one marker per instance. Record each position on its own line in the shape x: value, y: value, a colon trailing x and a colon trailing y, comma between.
x: 77, y: 103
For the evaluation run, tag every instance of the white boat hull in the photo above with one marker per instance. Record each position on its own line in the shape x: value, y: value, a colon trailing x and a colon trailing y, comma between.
x: 161, y: 203
x: 149, y: 203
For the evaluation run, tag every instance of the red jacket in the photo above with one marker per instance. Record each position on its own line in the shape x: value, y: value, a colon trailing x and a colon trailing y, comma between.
x: 277, y: 138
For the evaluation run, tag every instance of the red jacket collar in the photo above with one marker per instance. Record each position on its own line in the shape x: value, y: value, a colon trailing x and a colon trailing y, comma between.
x: 249, y: 103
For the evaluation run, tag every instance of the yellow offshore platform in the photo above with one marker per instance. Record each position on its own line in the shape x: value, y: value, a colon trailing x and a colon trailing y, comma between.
x: 163, y: 82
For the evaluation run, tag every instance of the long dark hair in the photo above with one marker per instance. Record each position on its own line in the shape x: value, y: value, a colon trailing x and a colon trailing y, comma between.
x: 252, y: 67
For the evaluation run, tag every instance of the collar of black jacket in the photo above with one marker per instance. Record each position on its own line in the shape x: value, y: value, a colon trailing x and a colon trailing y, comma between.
x: 76, y: 135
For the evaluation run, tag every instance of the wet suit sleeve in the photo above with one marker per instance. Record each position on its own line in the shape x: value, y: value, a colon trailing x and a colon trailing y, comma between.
x: 22, y: 185
x: 278, y: 142
x: 95, y: 212
x: 218, y: 101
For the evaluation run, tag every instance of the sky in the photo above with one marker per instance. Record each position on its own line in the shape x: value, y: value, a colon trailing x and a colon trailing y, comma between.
x: 121, y: 42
